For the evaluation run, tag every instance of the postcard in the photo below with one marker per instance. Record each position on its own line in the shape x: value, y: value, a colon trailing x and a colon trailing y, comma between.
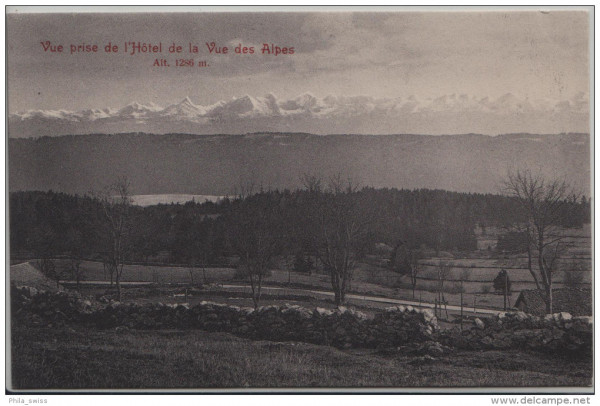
x: 299, y: 199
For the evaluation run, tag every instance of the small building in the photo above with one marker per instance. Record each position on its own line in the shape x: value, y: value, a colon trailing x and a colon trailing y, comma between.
x: 577, y: 302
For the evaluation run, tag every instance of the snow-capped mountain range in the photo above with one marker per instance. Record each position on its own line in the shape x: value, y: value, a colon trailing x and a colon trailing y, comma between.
x: 307, y: 113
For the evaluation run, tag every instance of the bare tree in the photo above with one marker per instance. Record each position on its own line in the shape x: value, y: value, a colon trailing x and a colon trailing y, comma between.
x: 312, y: 183
x: 245, y: 188
x: 288, y: 260
x: 45, y: 242
x: 543, y: 205
x: 254, y: 233
x: 192, y: 266
x: 78, y: 250
x: 77, y: 271
x: 107, y: 267
x: 444, y: 271
x: 414, y: 269
x: 339, y: 231
x: 406, y: 261
x: 116, y: 205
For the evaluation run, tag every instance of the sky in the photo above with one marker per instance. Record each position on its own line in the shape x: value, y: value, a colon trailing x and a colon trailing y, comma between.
x: 531, y: 54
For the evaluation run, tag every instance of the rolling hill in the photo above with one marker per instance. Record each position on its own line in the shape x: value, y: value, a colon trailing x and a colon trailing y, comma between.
x: 217, y: 164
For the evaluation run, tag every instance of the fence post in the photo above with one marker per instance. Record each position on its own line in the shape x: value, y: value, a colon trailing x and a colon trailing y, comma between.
x: 446, y: 308
x: 505, y: 288
x: 461, y: 310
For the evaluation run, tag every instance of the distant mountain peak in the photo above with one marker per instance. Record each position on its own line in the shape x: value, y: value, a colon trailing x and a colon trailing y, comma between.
x: 451, y: 113
x: 141, y: 107
x: 187, y: 100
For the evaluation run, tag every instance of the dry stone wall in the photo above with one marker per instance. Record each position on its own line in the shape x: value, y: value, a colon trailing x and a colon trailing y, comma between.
x: 555, y: 333
x: 342, y: 328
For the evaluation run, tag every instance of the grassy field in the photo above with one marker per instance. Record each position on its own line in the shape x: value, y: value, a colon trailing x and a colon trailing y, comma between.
x: 368, y: 280
x: 94, y: 271
x: 81, y: 358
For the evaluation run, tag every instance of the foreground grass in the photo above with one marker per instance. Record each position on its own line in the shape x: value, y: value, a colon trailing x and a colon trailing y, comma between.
x: 82, y: 358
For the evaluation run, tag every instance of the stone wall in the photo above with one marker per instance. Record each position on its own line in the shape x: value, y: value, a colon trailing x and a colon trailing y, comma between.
x: 342, y: 328
x: 555, y: 333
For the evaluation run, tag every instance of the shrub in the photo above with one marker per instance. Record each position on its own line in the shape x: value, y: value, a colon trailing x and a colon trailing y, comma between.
x: 303, y: 264
x: 502, y: 282
x: 573, y: 278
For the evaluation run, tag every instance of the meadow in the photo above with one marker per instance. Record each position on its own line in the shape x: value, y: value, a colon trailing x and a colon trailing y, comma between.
x: 74, y: 357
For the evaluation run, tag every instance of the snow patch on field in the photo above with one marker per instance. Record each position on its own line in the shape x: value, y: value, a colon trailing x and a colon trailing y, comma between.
x: 26, y: 274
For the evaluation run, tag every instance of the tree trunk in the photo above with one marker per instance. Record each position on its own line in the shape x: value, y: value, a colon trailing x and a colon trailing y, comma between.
x: 338, y: 300
x: 335, y: 284
x: 345, y: 280
x: 253, y: 293
x: 255, y: 286
x: 118, y: 283
x: 339, y: 291
x: 445, y: 306
x: 258, y: 289
x: 256, y: 297
x: 505, y: 289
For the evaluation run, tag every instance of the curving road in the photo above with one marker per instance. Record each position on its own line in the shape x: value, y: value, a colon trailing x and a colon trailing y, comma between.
x: 387, y: 300
x: 392, y: 301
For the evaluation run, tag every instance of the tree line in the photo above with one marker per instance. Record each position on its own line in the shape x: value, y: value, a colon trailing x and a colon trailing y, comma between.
x: 331, y: 222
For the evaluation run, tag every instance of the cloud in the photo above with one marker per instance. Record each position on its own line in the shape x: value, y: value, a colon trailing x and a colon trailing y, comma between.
x: 380, y: 54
